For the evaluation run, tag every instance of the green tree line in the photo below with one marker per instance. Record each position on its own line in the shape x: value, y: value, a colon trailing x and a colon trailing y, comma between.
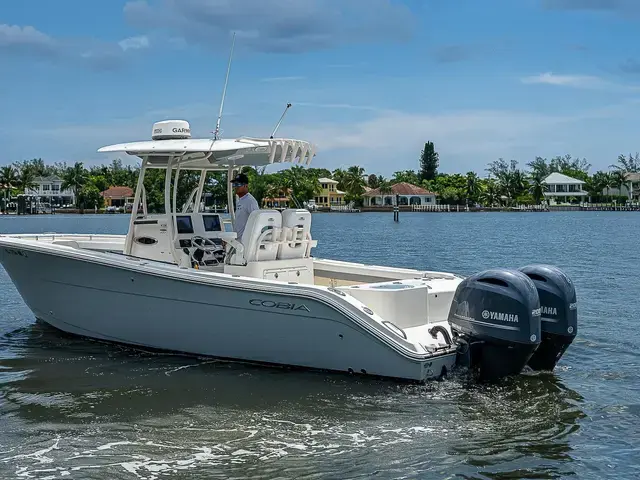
x: 504, y: 183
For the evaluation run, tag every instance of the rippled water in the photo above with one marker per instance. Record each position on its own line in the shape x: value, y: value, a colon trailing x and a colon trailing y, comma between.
x: 74, y: 408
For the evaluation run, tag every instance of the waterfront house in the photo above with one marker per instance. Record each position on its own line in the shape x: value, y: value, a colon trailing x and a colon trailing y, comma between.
x: 281, y: 199
x: 408, y: 194
x: 49, y: 190
x: 329, y: 195
x: 631, y: 188
x: 560, y: 188
x: 117, y: 197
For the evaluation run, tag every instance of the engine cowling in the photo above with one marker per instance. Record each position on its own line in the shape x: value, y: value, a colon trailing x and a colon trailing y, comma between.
x: 497, y: 314
x: 559, y: 314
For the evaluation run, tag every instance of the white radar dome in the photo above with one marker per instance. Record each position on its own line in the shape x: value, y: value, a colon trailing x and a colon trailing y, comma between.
x: 171, y: 129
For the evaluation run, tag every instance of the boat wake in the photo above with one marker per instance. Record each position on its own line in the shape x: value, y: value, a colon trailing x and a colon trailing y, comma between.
x: 103, y: 412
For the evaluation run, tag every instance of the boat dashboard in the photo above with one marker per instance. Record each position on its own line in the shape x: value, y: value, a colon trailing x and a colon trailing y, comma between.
x: 152, y: 238
x: 206, y: 225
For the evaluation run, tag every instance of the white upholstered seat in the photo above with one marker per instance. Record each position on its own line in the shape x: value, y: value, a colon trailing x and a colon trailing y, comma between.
x: 260, y: 238
x: 296, y: 234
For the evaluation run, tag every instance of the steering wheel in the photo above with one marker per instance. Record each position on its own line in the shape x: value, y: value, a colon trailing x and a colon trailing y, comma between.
x: 204, y: 245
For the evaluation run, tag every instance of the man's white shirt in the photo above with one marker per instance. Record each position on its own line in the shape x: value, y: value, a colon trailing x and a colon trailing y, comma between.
x: 244, y: 206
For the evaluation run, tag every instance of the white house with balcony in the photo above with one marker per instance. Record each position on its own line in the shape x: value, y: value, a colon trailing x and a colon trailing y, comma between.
x: 560, y: 188
x: 49, y: 189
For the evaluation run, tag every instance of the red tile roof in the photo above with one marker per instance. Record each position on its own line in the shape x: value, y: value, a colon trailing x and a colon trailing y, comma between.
x: 117, y: 192
x: 402, y: 188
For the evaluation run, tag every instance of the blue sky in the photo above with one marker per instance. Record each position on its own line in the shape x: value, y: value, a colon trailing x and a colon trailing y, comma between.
x: 370, y: 80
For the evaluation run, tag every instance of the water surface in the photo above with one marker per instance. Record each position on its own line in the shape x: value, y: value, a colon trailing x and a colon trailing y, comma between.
x: 75, y: 408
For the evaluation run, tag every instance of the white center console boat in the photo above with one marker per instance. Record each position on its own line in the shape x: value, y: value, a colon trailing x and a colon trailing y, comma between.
x: 180, y: 281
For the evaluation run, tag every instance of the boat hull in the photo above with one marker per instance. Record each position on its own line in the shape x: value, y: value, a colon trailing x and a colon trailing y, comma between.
x: 148, y: 309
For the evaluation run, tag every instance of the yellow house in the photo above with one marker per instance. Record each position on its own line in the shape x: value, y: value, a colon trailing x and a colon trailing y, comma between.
x: 330, y: 195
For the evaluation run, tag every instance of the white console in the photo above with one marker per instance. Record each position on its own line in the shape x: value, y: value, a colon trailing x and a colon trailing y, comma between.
x: 152, y: 236
x: 407, y: 303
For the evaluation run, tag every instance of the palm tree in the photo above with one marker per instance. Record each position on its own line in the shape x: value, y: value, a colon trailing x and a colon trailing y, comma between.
x: 26, y: 179
x: 537, y: 187
x: 596, y: 184
x: 472, y: 186
x: 491, y: 191
x: 8, y: 181
x: 385, y: 188
x: 300, y: 186
x: 510, y: 179
x: 610, y: 183
x: 517, y: 183
x: 74, y: 178
x: 353, y: 182
x: 338, y: 175
x: 373, y: 181
x: 618, y: 180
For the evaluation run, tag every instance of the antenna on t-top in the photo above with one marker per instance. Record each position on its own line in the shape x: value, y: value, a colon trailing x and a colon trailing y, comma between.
x: 224, y: 91
x: 280, y: 121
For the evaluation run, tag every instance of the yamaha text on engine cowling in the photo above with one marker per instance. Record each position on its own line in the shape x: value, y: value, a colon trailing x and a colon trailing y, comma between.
x: 559, y: 314
x: 495, y: 317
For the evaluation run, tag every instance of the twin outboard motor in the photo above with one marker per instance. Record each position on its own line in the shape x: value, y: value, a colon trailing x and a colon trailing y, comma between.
x: 559, y: 314
x: 496, y: 314
x: 506, y: 319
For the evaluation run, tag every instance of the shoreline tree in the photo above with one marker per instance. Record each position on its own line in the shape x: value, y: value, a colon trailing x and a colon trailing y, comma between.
x: 429, y: 162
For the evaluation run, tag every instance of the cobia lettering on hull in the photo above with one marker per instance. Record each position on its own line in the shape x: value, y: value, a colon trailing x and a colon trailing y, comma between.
x: 281, y: 305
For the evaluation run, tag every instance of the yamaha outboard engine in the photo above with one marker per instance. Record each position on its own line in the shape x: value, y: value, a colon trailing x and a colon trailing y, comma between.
x: 496, y: 314
x: 559, y: 314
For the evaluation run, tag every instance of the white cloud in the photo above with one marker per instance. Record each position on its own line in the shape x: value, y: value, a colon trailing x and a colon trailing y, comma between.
x: 590, y: 82
x: 134, y: 43
x: 25, y: 38
x: 577, y: 81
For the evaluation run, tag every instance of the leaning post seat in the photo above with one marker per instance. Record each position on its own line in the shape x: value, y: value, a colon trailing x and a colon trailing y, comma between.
x: 260, y: 238
x: 296, y: 234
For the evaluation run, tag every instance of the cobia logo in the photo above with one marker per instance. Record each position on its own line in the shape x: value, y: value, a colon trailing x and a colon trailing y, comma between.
x: 504, y: 317
x: 282, y: 305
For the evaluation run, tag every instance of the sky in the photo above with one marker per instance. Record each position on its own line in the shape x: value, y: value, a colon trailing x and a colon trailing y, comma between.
x: 370, y: 81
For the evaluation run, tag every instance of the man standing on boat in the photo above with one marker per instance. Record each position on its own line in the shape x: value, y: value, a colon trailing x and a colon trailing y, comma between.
x: 245, y: 204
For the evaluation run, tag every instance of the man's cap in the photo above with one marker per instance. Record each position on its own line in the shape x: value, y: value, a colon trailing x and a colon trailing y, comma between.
x: 239, y: 180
